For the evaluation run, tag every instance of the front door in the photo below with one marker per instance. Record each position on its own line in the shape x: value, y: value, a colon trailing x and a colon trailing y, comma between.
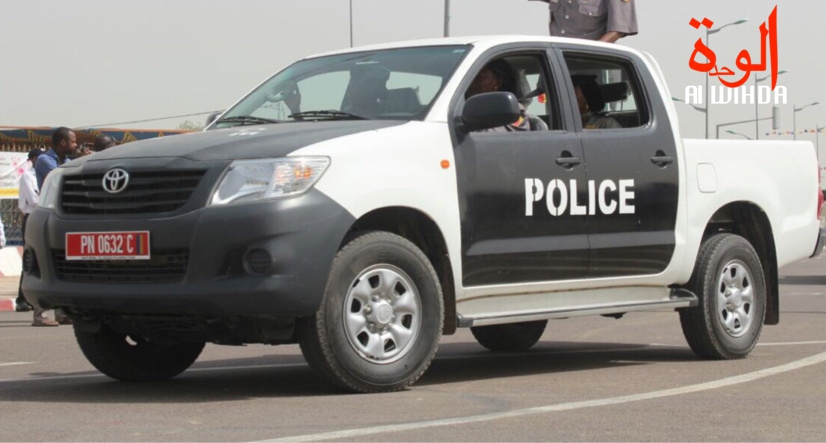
x: 519, y: 191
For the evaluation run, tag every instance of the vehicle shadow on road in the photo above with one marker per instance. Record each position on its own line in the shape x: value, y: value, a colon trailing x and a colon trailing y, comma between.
x: 546, y: 358
x: 233, y: 381
x: 287, y: 376
x: 15, y: 323
x: 803, y: 280
x: 805, y: 312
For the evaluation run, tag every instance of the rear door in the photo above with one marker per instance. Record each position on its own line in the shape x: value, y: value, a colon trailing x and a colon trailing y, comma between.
x: 632, y: 169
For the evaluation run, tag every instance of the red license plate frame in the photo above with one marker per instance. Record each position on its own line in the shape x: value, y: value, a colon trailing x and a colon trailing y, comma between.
x: 112, y: 245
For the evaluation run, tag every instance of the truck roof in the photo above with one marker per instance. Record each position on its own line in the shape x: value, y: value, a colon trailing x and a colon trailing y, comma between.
x: 482, y: 41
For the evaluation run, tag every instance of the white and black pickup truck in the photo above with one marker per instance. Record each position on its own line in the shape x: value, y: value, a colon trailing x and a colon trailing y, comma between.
x: 364, y: 203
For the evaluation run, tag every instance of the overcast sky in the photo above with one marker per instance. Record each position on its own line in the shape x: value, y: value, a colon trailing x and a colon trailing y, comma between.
x: 92, y: 62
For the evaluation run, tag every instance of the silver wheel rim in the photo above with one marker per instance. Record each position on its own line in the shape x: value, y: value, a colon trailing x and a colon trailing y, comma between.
x: 735, y: 298
x: 382, y: 314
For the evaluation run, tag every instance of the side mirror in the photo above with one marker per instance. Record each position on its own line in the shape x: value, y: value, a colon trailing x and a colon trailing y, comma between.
x: 211, y: 117
x: 490, y: 110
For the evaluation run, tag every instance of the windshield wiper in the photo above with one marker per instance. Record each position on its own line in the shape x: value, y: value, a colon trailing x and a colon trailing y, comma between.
x: 248, y: 120
x: 328, y: 113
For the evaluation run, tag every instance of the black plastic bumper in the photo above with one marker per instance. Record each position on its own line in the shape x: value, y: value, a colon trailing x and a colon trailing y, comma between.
x: 300, y: 234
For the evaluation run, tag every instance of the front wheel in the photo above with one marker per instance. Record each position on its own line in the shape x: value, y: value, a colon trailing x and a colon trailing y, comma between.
x: 729, y: 282
x: 379, y: 324
x: 127, y: 358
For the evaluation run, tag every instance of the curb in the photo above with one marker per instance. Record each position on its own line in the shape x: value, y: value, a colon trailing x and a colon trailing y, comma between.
x: 6, y: 304
x: 8, y: 293
x: 11, y: 261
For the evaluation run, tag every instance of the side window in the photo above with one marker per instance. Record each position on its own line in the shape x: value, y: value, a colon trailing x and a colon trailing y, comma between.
x: 526, y: 76
x: 607, y: 92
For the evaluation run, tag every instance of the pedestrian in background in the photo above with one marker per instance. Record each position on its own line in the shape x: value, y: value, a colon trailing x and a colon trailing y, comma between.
x: 28, y: 197
x: 64, y: 145
x: 82, y: 151
x: 103, y: 142
x: 602, y: 20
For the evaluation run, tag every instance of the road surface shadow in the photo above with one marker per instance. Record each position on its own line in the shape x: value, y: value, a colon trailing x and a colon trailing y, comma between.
x: 288, y: 376
x: 804, y: 312
x: 16, y: 323
x: 803, y: 280
x: 545, y: 358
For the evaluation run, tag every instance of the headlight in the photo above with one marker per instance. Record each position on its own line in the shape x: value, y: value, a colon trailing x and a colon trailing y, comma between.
x: 51, y: 189
x: 247, y: 180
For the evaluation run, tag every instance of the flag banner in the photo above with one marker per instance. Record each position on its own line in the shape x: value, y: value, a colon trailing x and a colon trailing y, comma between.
x: 12, y: 166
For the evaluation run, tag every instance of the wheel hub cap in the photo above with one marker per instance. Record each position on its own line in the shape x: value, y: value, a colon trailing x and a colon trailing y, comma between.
x: 735, y: 298
x: 382, y: 314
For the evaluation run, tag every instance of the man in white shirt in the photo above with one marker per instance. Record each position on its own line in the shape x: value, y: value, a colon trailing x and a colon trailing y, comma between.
x: 28, y: 197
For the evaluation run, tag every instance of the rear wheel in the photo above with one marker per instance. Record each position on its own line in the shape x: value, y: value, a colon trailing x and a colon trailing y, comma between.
x: 128, y: 358
x: 729, y: 282
x: 510, y: 338
x: 379, y: 324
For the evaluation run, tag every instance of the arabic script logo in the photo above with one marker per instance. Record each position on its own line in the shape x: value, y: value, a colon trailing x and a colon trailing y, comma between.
x: 115, y: 181
x: 768, y: 37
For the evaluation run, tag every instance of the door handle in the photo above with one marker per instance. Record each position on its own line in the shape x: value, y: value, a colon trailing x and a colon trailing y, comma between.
x: 568, y: 162
x: 662, y: 160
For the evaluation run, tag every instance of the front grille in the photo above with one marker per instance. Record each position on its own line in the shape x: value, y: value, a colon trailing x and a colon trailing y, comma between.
x: 146, y: 193
x: 163, y: 267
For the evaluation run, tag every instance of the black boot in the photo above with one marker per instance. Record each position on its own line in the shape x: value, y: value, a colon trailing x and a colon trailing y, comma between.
x: 22, y: 305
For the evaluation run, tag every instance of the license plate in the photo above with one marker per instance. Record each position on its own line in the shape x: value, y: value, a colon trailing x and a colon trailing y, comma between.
x: 107, y: 245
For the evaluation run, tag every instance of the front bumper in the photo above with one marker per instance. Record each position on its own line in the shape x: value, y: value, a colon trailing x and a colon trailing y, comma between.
x: 301, y: 235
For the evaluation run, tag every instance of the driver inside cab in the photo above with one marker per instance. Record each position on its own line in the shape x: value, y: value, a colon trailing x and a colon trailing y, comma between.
x: 497, y: 76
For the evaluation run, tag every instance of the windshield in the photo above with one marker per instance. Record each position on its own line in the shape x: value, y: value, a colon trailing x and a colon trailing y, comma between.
x: 397, y: 84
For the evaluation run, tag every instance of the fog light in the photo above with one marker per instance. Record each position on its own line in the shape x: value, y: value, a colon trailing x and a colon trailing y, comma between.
x: 29, y: 262
x: 258, y: 261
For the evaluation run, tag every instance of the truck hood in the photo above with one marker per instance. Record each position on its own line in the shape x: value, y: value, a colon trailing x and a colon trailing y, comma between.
x: 242, y: 142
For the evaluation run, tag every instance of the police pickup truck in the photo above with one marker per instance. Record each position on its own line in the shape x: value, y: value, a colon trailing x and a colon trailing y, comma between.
x: 364, y: 203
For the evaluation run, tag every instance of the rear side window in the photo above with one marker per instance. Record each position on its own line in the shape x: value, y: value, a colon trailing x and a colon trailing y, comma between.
x: 608, y: 91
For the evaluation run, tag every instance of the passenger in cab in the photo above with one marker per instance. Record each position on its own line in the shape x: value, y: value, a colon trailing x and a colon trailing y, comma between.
x: 591, y: 104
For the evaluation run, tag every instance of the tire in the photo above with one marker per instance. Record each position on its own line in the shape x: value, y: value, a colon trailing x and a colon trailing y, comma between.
x: 514, y: 337
x: 123, y: 358
x: 729, y: 282
x: 379, y: 323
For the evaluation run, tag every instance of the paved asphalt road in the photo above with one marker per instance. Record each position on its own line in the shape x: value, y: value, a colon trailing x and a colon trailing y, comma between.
x: 589, y: 379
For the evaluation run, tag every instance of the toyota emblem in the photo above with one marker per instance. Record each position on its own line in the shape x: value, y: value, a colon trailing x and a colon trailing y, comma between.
x: 115, y: 181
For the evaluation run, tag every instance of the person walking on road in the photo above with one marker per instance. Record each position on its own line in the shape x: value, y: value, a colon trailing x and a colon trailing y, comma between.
x: 64, y: 145
x: 602, y: 20
x: 28, y: 196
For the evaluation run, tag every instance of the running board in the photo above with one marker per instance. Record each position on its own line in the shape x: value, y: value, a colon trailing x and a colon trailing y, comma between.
x: 679, y: 298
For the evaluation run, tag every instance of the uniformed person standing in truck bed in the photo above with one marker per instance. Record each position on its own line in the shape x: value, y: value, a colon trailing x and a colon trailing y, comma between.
x: 603, y: 20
